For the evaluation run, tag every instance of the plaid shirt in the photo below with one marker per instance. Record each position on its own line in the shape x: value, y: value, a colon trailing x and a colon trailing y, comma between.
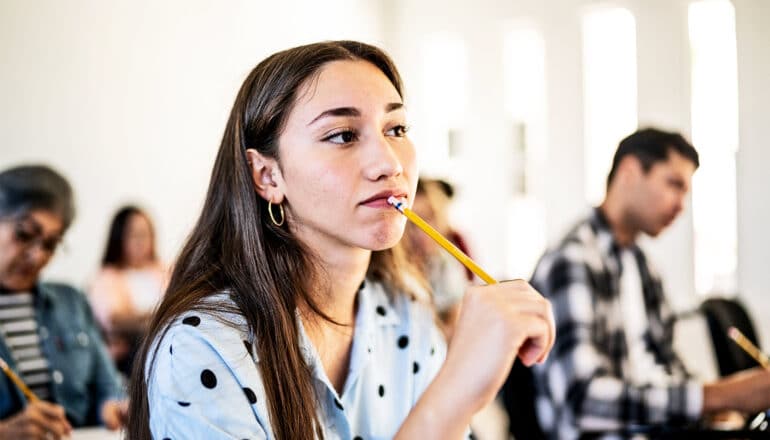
x: 583, y: 386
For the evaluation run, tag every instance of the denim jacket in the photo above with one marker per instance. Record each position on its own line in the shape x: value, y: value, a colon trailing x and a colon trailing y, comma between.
x: 83, y: 376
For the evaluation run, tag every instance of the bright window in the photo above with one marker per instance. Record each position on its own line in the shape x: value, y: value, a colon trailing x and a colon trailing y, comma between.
x: 609, y: 90
x: 525, y: 100
x: 714, y: 79
x: 444, y: 83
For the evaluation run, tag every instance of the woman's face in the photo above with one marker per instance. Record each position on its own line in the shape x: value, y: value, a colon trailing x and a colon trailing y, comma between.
x: 137, y: 241
x: 343, y: 152
x: 26, y: 246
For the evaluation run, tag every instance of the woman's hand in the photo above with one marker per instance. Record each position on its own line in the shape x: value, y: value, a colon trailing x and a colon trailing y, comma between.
x: 114, y: 413
x: 39, y: 420
x: 497, y: 323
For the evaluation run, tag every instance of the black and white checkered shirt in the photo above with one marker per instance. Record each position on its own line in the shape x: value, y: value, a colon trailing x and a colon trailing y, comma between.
x: 583, y: 386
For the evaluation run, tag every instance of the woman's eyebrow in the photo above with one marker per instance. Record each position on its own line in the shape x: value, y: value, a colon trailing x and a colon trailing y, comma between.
x: 339, y: 111
x: 352, y: 111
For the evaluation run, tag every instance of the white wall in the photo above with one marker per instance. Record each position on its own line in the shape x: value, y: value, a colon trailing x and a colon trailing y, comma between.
x: 129, y: 98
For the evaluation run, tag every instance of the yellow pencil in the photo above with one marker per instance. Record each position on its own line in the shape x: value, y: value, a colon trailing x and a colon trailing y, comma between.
x: 749, y: 347
x: 441, y: 240
x: 16, y: 380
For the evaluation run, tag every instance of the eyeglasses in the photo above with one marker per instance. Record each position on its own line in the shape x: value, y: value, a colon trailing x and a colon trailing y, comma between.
x: 29, y: 235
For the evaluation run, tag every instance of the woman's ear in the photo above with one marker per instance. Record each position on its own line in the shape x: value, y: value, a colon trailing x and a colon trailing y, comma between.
x: 266, y: 176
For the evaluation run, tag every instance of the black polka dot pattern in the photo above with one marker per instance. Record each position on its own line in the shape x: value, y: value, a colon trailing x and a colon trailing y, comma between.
x: 363, y: 284
x: 250, y: 395
x: 386, y: 317
x: 192, y: 320
x: 208, y: 379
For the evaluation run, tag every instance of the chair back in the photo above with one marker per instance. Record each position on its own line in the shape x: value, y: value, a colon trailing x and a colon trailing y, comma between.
x: 721, y: 314
x: 518, y: 395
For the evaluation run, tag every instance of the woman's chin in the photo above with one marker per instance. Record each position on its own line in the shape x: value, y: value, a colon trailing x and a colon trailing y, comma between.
x: 385, y: 238
x: 18, y: 284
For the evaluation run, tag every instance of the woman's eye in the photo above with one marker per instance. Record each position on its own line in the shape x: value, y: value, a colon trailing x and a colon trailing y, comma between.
x: 341, y: 137
x: 398, y: 131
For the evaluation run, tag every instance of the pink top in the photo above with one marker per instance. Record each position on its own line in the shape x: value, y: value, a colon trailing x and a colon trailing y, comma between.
x: 126, y: 291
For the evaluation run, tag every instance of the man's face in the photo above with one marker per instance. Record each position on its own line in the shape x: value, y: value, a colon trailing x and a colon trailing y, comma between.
x: 657, y: 197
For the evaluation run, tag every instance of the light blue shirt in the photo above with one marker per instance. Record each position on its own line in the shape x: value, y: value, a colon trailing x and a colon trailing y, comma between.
x: 206, y: 384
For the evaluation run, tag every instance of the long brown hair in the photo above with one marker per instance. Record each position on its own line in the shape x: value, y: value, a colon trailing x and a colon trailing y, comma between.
x: 234, y: 246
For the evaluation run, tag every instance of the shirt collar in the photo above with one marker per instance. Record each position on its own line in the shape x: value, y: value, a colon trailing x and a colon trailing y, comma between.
x: 44, y: 295
x: 608, y: 245
x: 375, y: 310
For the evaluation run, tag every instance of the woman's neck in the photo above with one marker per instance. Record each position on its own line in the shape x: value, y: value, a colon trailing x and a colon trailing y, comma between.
x: 338, y: 282
x: 340, y: 278
x: 138, y: 265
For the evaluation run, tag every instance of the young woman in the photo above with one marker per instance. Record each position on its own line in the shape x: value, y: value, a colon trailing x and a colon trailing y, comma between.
x: 129, y: 284
x: 288, y: 313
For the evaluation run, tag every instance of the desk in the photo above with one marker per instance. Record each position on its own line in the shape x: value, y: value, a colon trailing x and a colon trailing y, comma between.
x: 96, y: 434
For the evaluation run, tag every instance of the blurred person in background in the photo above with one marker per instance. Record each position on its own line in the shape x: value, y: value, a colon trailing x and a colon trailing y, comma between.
x: 614, y: 365
x: 129, y: 284
x: 48, y: 335
x: 447, y: 277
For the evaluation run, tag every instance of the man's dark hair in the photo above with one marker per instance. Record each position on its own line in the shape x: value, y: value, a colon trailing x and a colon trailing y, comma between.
x: 28, y: 188
x: 650, y: 146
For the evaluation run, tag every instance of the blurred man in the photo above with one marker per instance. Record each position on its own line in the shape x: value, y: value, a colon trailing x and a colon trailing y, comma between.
x: 613, y: 365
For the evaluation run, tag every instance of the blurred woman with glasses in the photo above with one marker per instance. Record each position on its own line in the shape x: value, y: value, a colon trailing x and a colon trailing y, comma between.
x: 48, y: 336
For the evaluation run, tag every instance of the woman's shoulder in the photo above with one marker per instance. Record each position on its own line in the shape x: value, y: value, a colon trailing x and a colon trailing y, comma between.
x: 213, y: 336
x: 216, y: 321
x: 62, y: 294
x: 202, y: 367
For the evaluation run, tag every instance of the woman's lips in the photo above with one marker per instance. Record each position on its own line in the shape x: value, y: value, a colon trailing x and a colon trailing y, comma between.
x: 381, y: 202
